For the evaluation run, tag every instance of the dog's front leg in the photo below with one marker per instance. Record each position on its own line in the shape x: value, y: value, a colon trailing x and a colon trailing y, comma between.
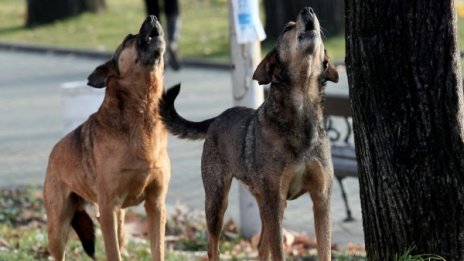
x: 263, y: 245
x: 322, y: 222
x: 272, y: 214
x: 320, y: 190
x: 156, y: 213
x: 121, y: 232
x: 109, y: 230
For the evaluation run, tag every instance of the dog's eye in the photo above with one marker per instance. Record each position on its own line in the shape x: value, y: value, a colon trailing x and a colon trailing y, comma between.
x: 288, y: 28
x: 128, y: 37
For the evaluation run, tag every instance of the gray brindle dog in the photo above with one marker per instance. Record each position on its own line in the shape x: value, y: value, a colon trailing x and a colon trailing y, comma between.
x: 281, y: 150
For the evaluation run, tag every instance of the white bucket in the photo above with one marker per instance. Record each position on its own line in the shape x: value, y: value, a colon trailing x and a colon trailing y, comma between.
x: 78, y: 101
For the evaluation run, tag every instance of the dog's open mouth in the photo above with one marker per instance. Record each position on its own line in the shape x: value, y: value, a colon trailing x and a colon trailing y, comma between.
x: 308, y: 24
x: 153, y: 33
x: 150, y: 29
x: 151, y: 43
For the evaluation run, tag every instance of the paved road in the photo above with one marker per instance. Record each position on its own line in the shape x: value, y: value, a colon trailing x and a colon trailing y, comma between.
x: 31, y: 122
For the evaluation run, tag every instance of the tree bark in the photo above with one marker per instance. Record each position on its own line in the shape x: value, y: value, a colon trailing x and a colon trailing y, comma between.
x: 407, y: 104
x: 276, y: 18
x: 279, y: 12
x: 47, y: 11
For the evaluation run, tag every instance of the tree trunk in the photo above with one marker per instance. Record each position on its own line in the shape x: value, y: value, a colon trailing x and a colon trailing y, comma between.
x: 275, y: 18
x: 46, y: 11
x: 407, y: 104
x: 330, y: 14
x: 279, y: 12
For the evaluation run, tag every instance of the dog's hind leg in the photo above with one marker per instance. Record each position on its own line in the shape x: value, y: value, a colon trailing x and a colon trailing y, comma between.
x: 216, y: 182
x: 60, y: 208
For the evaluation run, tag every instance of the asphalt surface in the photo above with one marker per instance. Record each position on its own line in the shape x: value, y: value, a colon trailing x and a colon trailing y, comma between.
x: 33, y: 119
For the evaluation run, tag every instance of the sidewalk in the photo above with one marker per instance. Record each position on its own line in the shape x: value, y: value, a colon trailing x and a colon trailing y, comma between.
x: 31, y: 123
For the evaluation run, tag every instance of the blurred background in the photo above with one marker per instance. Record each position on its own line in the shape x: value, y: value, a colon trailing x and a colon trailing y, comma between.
x: 99, y: 24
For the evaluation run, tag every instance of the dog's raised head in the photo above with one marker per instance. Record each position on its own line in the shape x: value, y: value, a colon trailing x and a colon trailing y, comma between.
x: 138, y: 59
x: 299, y: 55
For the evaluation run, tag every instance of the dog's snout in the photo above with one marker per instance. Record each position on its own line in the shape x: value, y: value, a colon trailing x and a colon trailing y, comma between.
x: 308, y: 11
x: 153, y: 18
x: 148, y: 26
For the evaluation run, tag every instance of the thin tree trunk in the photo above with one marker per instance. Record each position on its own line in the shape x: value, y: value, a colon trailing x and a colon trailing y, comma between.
x: 330, y: 14
x: 280, y: 12
x: 47, y: 11
x: 275, y: 18
x: 407, y: 101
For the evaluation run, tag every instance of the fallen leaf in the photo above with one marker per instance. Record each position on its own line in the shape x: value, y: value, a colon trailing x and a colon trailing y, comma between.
x: 4, y: 243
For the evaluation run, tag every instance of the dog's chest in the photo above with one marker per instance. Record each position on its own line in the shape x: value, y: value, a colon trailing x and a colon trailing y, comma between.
x: 143, y: 173
x: 133, y: 199
x: 296, y: 175
x: 145, y: 148
x: 136, y: 182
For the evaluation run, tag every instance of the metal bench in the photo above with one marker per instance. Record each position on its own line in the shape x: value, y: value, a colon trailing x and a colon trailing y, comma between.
x: 343, y: 151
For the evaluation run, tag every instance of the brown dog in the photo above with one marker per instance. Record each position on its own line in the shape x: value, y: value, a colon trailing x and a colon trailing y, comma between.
x: 281, y: 150
x: 118, y: 157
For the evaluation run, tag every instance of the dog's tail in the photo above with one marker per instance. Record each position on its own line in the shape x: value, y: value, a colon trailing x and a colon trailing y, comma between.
x: 85, y: 230
x: 175, y: 123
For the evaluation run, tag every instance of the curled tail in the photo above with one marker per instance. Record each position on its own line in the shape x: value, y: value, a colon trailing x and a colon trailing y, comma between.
x: 85, y: 230
x: 175, y: 123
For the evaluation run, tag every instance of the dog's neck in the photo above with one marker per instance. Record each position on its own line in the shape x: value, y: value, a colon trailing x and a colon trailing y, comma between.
x: 302, y: 97
x: 133, y: 102
x: 295, y: 109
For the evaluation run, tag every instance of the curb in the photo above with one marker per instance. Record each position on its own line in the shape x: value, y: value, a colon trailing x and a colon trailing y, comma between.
x: 101, y: 55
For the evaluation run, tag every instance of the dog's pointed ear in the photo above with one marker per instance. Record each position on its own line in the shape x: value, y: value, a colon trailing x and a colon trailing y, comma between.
x: 99, y: 76
x: 330, y: 72
x: 266, y: 69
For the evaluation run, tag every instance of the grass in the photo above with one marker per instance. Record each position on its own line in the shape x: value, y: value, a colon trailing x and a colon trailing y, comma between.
x: 407, y: 256
x: 85, y: 31
x: 23, y: 235
x: 204, y: 31
x: 461, y: 33
x: 30, y: 244
x: 204, y: 28
x: 23, y: 232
